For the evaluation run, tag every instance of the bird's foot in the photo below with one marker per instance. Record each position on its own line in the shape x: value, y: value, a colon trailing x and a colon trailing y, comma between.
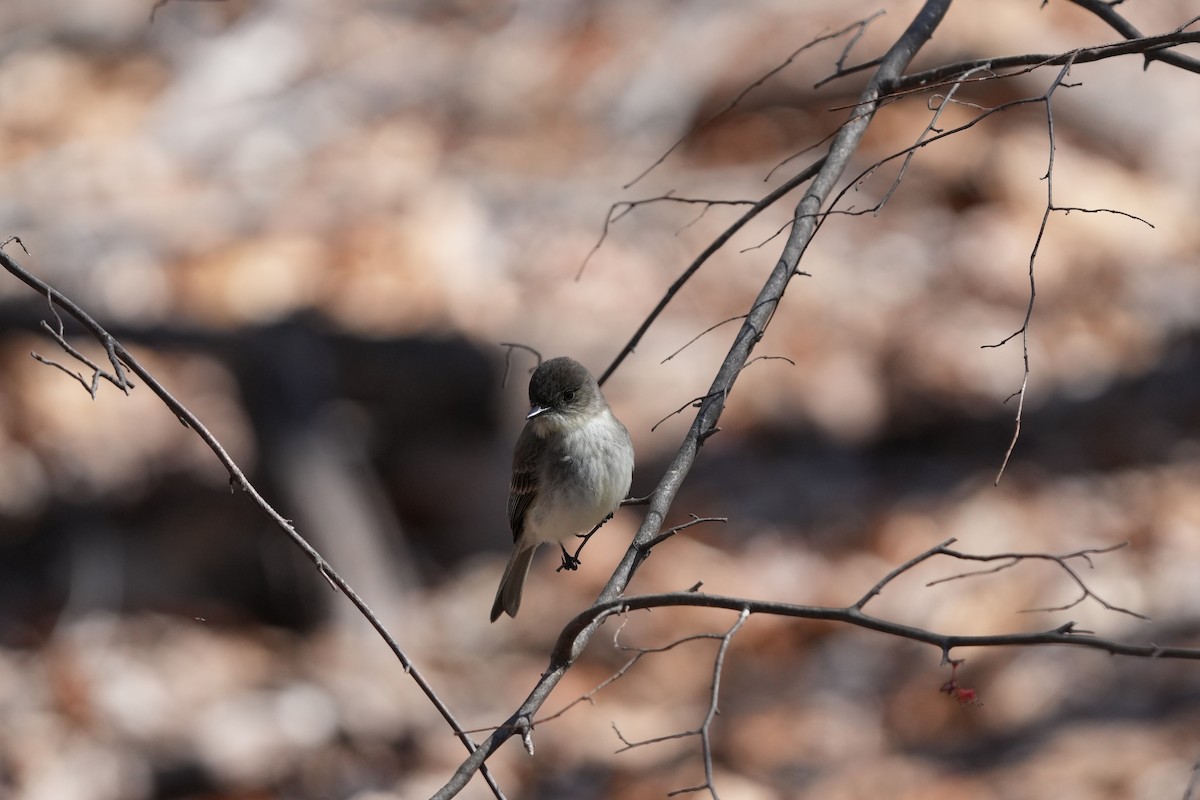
x: 569, y: 562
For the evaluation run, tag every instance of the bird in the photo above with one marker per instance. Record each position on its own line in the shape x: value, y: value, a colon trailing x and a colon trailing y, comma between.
x: 572, y: 466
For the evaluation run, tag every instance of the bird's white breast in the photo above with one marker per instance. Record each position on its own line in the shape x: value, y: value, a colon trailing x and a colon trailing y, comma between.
x: 601, y: 458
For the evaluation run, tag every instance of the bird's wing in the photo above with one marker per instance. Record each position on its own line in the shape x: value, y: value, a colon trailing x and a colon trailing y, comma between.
x: 524, y: 486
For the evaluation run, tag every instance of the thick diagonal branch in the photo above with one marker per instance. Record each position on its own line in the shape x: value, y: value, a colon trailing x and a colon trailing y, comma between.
x: 841, y: 150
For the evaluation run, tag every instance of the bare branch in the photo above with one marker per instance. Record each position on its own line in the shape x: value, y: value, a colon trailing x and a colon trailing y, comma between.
x: 781, y: 191
x: 639, y: 654
x: 1020, y: 394
x: 122, y: 382
x: 808, y: 149
x: 840, y: 68
x: 825, y: 175
x: 508, y: 348
x: 1066, y: 634
x: 1106, y: 12
x: 701, y: 335
x: 695, y: 402
x: 119, y: 356
x: 1156, y: 45
x: 859, y: 27
x: 896, y: 572
x: 770, y: 358
x: 984, y: 114
x: 619, y: 209
x: 1023, y: 330
x: 931, y: 127
x: 704, y: 730
x: 1009, y: 560
x: 714, y: 697
x: 698, y: 402
x: 117, y: 377
x: 669, y: 532
x: 1068, y: 209
x: 807, y: 218
x: 89, y: 388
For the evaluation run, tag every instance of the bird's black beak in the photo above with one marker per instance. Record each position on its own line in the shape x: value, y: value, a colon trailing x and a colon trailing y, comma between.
x: 535, y: 410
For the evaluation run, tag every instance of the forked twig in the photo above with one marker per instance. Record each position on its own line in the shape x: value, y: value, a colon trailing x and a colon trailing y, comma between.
x: 1009, y: 560
x: 858, y: 26
x: 704, y: 730
x: 638, y: 654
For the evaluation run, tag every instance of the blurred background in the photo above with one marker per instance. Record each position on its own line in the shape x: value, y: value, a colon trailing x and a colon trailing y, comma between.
x: 316, y: 223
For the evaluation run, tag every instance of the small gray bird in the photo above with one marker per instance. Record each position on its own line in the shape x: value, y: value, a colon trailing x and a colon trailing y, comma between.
x: 572, y: 467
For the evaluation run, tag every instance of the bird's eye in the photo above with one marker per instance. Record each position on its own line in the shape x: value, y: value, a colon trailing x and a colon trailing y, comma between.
x: 568, y: 395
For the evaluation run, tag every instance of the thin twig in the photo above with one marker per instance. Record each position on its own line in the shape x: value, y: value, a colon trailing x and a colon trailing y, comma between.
x: 695, y: 402
x: 775, y: 195
x: 1068, y: 209
x: 638, y: 654
x: 621, y: 208
x: 669, y: 532
x: 1009, y: 560
x: 508, y: 348
x: 701, y: 335
x: 896, y: 572
x: 858, y: 26
x: 930, y: 127
x: 704, y: 730
x: 1021, y: 393
x: 714, y: 697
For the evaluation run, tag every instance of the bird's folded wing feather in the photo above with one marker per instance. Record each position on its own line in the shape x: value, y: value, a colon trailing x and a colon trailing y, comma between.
x: 524, y: 480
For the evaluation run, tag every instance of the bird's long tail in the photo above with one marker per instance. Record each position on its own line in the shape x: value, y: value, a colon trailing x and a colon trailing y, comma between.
x: 508, y: 596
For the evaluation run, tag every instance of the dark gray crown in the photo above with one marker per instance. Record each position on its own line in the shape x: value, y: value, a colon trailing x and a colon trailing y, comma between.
x: 562, y: 383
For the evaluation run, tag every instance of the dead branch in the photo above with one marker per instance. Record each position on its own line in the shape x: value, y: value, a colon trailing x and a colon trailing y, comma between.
x: 121, y: 359
x: 577, y: 634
